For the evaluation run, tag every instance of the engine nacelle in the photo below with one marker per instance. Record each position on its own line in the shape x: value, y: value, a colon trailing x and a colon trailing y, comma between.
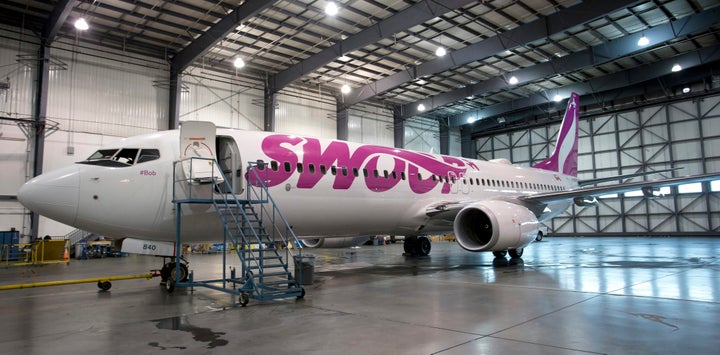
x: 495, y: 226
x: 340, y: 242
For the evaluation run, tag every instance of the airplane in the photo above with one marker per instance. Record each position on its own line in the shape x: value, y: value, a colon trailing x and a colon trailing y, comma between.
x: 326, y: 188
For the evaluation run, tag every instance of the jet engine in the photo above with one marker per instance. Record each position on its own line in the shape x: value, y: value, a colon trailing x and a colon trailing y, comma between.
x: 340, y: 242
x: 495, y: 226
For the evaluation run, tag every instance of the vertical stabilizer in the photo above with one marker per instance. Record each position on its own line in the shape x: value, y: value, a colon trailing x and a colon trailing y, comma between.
x: 564, y: 158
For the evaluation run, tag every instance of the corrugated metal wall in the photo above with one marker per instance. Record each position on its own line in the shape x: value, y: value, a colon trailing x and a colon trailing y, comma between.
x: 422, y: 134
x: 225, y: 101
x: 306, y: 113
x: 682, y: 134
x: 104, y: 93
x: 371, y: 125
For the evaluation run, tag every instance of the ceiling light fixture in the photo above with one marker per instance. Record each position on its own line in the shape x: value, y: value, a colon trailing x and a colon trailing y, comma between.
x: 676, y: 68
x: 81, y: 24
x: 686, y: 90
x: 345, y: 89
x: 557, y: 98
x: 643, y: 41
x: 239, y: 63
x: 513, y: 80
x: 331, y: 9
x: 421, y: 107
x: 440, y: 51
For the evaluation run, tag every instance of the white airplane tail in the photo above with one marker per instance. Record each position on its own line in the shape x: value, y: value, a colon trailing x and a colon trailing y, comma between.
x: 564, y: 158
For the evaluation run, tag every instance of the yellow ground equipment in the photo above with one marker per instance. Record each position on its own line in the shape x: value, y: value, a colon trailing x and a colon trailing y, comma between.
x: 102, y: 282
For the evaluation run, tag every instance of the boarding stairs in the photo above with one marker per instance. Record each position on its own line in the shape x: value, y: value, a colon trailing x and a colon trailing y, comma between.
x: 253, y: 227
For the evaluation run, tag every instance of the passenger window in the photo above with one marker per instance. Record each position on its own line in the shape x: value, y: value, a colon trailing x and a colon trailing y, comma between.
x: 344, y: 171
x: 260, y: 165
x: 311, y: 168
x: 355, y: 172
x: 299, y: 168
x: 287, y: 166
x: 419, y: 177
x: 323, y: 170
x: 385, y: 173
x: 402, y: 175
x: 365, y: 172
x: 274, y: 165
x: 333, y: 170
x: 375, y: 174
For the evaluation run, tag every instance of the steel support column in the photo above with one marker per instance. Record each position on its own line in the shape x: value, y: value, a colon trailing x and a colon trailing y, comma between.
x: 398, y: 128
x: 444, y: 136
x: 270, y: 102
x: 343, y: 119
x: 174, y: 99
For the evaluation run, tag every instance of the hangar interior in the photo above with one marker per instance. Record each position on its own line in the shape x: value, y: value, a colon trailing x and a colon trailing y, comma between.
x: 478, y: 79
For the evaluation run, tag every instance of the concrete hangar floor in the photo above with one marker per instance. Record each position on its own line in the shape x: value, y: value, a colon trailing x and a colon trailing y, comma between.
x: 568, y: 295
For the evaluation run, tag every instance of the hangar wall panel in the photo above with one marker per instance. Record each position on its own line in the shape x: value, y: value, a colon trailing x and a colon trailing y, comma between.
x: 422, y: 134
x: 306, y: 113
x: 16, y: 101
x: 227, y: 102
x: 106, y: 93
x: 678, y: 134
x: 371, y: 125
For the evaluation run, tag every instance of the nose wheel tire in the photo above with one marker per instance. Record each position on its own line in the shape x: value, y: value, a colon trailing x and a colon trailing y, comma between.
x: 244, y: 299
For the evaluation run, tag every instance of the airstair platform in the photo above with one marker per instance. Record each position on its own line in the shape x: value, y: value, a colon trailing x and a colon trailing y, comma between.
x: 253, y: 227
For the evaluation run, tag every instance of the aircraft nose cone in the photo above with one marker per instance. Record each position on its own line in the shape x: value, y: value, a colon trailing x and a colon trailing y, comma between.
x: 54, y: 195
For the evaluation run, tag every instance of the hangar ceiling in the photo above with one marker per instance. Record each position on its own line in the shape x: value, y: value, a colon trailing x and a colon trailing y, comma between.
x: 386, y: 50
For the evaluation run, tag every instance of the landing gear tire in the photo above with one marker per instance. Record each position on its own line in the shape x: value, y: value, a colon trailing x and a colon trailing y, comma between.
x: 104, y: 285
x: 170, y: 285
x: 410, y: 244
x: 168, y: 272
x: 302, y: 293
x: 500, y: 254
x: 516, y: 253
x: 244, y: 299
x: 539, y: 237
x: 423, y: 246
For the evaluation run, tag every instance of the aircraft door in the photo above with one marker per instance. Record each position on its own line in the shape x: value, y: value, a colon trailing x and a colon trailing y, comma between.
x: 228, y: 156
x: 197, y: 139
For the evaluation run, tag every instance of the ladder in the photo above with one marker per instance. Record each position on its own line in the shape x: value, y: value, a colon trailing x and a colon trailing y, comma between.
x: 253, y: 226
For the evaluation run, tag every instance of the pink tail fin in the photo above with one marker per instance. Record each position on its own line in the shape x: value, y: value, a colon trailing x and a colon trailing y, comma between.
x: 564, y: 158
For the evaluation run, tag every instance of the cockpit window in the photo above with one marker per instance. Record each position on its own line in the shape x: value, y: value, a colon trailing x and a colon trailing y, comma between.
x: 148, y: 155
x: 103, y: 154
x: 122, y: 158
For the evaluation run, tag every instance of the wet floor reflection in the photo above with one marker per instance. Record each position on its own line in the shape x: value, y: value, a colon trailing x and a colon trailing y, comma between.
x: 677, y: 268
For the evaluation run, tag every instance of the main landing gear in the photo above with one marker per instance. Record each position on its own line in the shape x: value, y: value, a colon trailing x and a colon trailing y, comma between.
x: 168, y: 274
x: 418, y: 246
x: 514, y: 253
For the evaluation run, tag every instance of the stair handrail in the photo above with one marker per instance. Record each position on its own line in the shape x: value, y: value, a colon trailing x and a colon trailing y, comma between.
x: 254, y: 180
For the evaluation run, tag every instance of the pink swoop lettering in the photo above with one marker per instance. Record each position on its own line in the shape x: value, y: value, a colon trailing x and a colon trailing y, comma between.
x: 284, y: 149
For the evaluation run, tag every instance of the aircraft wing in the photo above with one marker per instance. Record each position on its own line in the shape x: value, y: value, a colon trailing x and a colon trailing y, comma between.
x: 646, y: 186
x: 444, y: 212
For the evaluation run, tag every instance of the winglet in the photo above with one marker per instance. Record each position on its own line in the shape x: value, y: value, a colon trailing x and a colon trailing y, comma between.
x: 564, y: 158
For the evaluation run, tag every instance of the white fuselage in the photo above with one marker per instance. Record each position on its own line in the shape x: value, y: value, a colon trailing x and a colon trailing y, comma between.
x: 322, y: 187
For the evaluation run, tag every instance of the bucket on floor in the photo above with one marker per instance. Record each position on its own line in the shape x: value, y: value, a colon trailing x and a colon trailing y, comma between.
x: 305, y: 267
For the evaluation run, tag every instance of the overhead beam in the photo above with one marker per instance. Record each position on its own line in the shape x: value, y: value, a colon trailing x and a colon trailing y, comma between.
x: 414, y: 15
x: 202, y: 44
x: 628, y: 78
x: 596, y: 55
x: 508, y: 40
x: 57, y: 19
